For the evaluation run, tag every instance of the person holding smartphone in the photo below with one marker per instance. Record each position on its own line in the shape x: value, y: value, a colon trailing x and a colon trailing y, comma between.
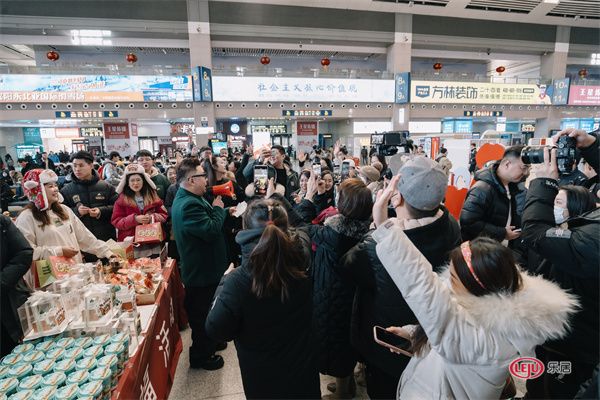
x: 284, y: 174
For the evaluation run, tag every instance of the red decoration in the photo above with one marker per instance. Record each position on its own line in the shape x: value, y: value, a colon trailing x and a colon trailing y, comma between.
x: 325, y: 62
x: 132, y: 58
x: 265, y: 60
x: 52, y: 55
x: 437, y: 66
x: 583, y: 73
x: 500, y: 69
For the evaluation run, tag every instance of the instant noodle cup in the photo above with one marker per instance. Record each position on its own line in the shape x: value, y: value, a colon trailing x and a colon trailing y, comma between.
x: 87, y: 364
x: 118, y: 350
x: 45, y: 393
x: 20, y: 371
x: 23, y: 348
x: 91, y: 390
x: 78, y: 377
x: 84, y: 342
x: 45, y: 346
x: 33, y: 356
x: 103, y: 375
x: 66, y: 365
x: 22, y: 395
x: 4, y: 371
x: 43, y: 367
x: 68, y: 392
x: 121, y: 337
x: 8, y: 386
x: 31, y: 382
x: 54, y: 379
x: 74, y: 353
x: 102, y: 340
x: 110, y: 362
x: 12, y: 359
x: 65, y: 342
x: 94, y: 351
x: 55, y: 353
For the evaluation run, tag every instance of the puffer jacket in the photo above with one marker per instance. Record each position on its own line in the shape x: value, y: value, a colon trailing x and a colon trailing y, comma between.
x: 332, y: 297
x: 124, y: 215
x: 485, y: 210
x: 93, y: 193
x: 378, y: 301
x: 472, y: 339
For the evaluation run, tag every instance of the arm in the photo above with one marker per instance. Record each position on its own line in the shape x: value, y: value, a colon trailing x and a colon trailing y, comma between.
x: 27, y: 225
x: 160, y: 213
x: 591, y: 153
x: 355, y: 266
x: 203, y: 223
x: 21, y: 252
x: 87, y: 241
x: 120, y: 219
x: 249, y: 171
x: 472, y: 216
x: 107, y: 210
x: 224, y: 319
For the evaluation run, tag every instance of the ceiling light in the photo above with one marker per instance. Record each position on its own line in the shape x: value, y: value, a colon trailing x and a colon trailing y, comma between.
x: 552, y: 1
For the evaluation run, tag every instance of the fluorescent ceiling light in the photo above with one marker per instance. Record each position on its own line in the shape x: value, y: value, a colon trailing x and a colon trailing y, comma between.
x: 90, y: 33
x: 552, y: 1
x: 595, y: 59
x: 22, y: 48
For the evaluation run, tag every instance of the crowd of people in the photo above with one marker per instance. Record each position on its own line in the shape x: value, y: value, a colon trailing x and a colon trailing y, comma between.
x: 297, y: 262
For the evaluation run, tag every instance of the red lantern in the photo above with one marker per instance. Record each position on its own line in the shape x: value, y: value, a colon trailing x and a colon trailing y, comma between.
x: 437, y: 66
x: 500, y: 69
x: 325, y: 62
x: 583, y: 73
x: 132, y: 58
x: 52, y: 55
x: 265, y: 60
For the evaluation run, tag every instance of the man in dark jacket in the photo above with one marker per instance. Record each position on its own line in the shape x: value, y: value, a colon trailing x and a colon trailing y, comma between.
x: 571, y: 258
x: 146, y: 160
x: 90, y: 198
x: 46, y: 161
x: 284, y: 175
x: 378, y: 301
x: 490, y: 208
x: 198, y: 230
x: 15, y: 259
x: 27, y: 164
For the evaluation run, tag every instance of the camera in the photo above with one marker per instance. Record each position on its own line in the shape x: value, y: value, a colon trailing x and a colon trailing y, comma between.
x: 566, y: 154
x: 390, y: 143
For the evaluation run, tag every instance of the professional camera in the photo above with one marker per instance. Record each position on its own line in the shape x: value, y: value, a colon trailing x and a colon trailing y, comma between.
x: 566, y: 154
x: 390, y: 143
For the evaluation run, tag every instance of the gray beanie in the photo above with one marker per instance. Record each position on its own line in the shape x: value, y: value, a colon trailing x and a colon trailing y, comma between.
x: 423, y: 183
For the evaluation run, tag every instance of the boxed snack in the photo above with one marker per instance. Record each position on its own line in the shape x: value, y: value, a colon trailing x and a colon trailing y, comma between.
x: 121, y: 249
x: 98, y: 305
x: 42, y: 314
x: 61, y: 266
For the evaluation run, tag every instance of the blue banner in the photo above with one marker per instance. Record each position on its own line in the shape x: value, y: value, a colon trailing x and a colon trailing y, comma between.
x: 560, y: 91
x: 402, y: 88
x: 448, y: 126
x: 202, y: 84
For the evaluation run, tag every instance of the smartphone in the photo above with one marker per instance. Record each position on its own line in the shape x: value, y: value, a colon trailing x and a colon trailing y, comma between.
x: 345, y: 171
x: 392, y: 341
x: 261, y: 179
x: 316, y: 169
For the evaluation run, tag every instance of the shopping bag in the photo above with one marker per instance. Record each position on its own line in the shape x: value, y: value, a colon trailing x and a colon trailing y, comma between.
x: 43, y: 275
x: 149, y: 234
x: 61, y: 266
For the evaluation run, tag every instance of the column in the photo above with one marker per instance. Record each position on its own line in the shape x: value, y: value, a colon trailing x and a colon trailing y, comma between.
x: 553, y: 66
x: 200, y: 55
x: 399, y: 60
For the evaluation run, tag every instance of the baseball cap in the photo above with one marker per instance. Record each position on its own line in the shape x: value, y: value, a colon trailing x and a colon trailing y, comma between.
x: 423, y: 183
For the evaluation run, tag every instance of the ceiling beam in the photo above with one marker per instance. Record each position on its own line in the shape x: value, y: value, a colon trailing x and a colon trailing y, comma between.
x: 297, y: 46
x: 39, y: 40
x: 472, y: 55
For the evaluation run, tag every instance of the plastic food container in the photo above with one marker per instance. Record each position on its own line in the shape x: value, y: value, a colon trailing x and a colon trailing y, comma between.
x: 55, y: 353
x: 102, y: 340
x: 121, y: 337
x: 54, y: 379
x: 94, y: 351
x: 4, y: 371
x: 23, y: 348
x: 104, y: 376
x: 20, y: 371
x: 68, y: 392
x: 74, y: 353
x: 31, y: 382
x: 111, y: 363
x: 45, y: 393
x: 87, y: 364
x: 44, y: 346
x: 78, y: 377
x: 118, y: 350
x: 91, y: 389
x: 33, y: 356
x: 65, y: 366
x: 84, y: 342
x: 8, y: 386
x: 44, y: 367
x: 12, y: 359
x: 65, y: 342
x: 22, y: 395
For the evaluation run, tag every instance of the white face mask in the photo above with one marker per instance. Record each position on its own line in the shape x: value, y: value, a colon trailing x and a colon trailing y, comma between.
x: 559, y: 215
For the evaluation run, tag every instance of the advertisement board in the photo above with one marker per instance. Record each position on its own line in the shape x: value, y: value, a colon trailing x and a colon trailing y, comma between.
x: 32, y: 136
x: 29, y: 88
x: 477, y: 93
x: 116, y: 131
x: 402, y: 87
x: 307, y: 135
x: 584, y: 95
x: 235, y: 88
x: 560, y: 91
x: 202, y: 84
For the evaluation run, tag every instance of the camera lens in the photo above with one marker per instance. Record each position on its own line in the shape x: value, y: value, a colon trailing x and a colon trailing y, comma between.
x: 532, y: 155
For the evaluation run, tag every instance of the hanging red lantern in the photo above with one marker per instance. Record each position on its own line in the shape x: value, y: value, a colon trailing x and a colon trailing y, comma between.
x: 583, y: 73
x: 52, y: 55
x: 132, y: 58
x: 437, y: 66
x: 265, y: 60
x: 500, y: 69
x: 325, y: 62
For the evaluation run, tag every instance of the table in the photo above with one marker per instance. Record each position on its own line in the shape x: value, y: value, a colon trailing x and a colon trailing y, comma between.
x: 150, y: 371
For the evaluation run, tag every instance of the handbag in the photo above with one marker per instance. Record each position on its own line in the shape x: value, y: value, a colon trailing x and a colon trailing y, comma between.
x: 151, y: 233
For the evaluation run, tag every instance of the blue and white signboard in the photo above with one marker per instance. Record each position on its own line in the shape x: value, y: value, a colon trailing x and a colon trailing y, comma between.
x: 402, y: 87
x: 560, y: 91
x: 233, y: 88
x: 202, y: 84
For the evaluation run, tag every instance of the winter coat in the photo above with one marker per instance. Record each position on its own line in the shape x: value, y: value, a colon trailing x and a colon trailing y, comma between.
x: 15, y: 259
x: 112, y: 173
x: 162, y: 182
x: 275, y: 343
x: 332, y: 297
x: 323, y: 201
x: 378, y: 301
x: 170, y: 197
x: 445, y: 163
x: 93, y: 193
x: 570, y: 257
x: 292, y: 181
x: 124, y: 214
x: 49, y: 240
x: 472, y: 339
x: 485, y: 210
x: 198, y: 230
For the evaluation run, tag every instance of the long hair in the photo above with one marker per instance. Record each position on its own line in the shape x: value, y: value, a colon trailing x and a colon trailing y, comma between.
x: 148, y: 193
x: 495, y: 267
x: 579, y: 200
x: 42, y: 216
x: 210, y: 165
x: 277, y: 260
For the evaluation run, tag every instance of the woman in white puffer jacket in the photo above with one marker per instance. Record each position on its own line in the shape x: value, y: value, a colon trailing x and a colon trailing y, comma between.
x: 485, y: 315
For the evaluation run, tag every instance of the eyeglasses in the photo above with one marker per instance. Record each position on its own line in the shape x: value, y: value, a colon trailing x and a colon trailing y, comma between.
x: 198, y: 176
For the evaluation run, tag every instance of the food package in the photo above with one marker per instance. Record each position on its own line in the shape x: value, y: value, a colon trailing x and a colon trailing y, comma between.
x: 43, y: 314
x: 61, y: 266
x: 121, y: 249
x: 98, y: 305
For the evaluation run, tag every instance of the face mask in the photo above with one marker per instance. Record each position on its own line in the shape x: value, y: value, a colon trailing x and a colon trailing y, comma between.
x: 559, y: 215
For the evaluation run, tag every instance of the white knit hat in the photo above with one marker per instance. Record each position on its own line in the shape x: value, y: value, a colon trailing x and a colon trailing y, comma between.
x: 134, y: 169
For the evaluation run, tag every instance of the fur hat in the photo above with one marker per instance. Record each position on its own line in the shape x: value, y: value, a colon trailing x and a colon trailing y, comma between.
x: 132, y: 169
x: 33, y: 187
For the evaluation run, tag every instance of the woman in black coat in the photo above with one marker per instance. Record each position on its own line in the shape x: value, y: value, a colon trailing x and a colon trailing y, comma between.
x: 265, y: 306
x: 15, y: 255
x: 332, y: 297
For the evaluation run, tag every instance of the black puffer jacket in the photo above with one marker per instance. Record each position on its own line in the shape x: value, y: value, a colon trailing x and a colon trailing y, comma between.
x: 275, y: 344
x: 378, y: 301
x: 15, y: 260
x: 93, y: 193
x: 332, y: 297
x: 571, y: 258
x: 485, y: 210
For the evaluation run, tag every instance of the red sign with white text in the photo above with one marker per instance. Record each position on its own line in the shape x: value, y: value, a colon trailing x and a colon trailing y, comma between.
x: 308, y: 128
x: 584, y: 95
x: 116, y: 131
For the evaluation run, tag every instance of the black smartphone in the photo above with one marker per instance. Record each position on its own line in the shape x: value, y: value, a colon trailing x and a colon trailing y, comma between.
x: 392, y: 341
x: 261, y: 179
x: 345, y: 171
x: 317, y: 169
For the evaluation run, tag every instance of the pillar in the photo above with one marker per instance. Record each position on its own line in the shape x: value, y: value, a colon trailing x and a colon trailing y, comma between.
x: 399, y: 60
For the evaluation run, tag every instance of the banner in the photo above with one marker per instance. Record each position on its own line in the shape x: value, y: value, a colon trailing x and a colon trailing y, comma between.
x: 116, y: 130
x: 32, y: 136
x: 477, y: 93
x: 31, y: 88
x: 402, y: 87
x: 233, y: 88
x: 584, y: 95
x: 307, y: 135
x: 560, y: 91
x: 307, y: 128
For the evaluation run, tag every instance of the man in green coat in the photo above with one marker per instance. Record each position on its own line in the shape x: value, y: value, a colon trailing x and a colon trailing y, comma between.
x: 146, y: 160
x: 198, y: 229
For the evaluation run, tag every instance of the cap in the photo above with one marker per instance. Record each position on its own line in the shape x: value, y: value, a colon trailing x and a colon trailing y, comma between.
x: 423, y: 183
x: 369, y: 172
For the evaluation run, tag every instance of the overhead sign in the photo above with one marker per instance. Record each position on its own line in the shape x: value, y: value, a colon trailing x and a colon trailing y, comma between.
x: 482, y: 113
x: 91, y: 131
x: 477, y: 93
x: 272, y: 129
x: 32, y: 136
x: 116, y: 131
x: 560, y: 91
x: 402, y: 87
x: 235, y: 88
x: 30, y: 88
x: 307, y: 128
x: 584, y: 95
x: 306, y: 113
x: 66, y: 133
x: 86, y: 114
x: 202, y: 84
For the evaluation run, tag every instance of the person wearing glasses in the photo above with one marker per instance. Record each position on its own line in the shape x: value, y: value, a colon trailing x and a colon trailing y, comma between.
x: 198, y: 230
x: 490, y: 208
